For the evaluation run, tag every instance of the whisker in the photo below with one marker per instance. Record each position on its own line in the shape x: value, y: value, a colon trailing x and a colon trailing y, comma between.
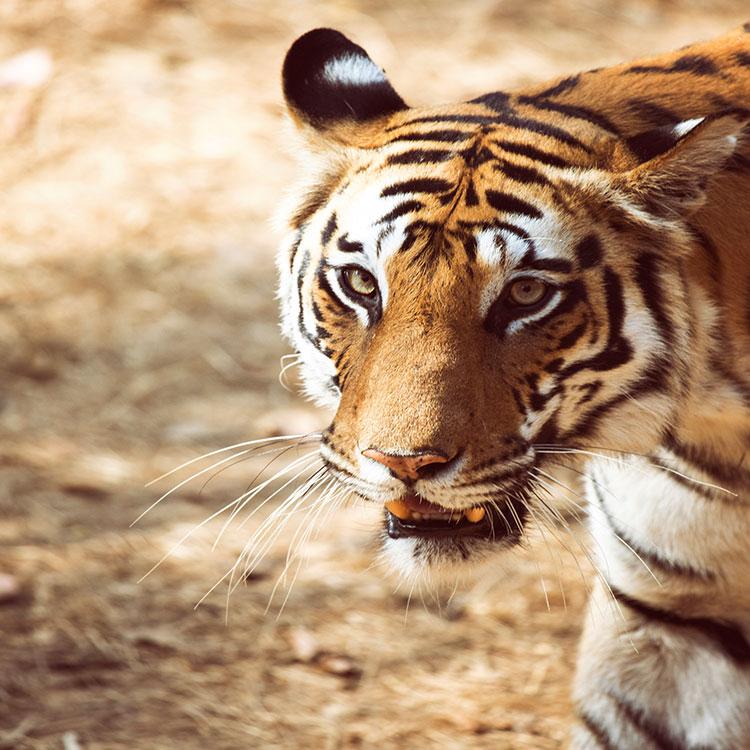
x: 272, y: 526
x: 280, y: 451
x: 328, y: 501
x: 296, y: 359
x: 233, y: 569
x: 562, y: 450
x: 246, y: 443
x: 184, y: 482
x: 250, y: 494
x: 609, y: 528
x: 199, y: 526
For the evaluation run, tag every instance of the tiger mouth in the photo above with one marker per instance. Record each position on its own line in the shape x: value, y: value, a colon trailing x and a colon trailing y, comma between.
x: 413, y: 516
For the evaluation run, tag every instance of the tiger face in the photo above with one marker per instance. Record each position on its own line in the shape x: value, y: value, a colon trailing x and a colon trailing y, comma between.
x: 471, y: 287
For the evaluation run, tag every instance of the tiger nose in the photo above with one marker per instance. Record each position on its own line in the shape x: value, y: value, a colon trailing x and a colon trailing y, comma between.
x: 405, y: 466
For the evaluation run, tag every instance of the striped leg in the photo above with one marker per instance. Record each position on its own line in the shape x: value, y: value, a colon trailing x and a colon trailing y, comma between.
x: 649, y: 679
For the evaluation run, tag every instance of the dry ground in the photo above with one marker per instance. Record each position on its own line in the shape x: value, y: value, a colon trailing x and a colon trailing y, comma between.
x: 141, y: 155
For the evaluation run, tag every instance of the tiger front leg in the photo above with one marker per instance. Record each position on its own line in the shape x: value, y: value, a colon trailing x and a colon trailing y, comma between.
x: 647, y: 683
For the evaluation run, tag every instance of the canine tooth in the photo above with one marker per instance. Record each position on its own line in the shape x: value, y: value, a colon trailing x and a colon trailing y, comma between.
x: 399, y: 509
x: 416, y: 516
x: 475, y: 515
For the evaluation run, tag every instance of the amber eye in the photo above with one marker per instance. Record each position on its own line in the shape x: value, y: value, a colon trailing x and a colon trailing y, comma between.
x: 359, y: 282
x: 527, y: 291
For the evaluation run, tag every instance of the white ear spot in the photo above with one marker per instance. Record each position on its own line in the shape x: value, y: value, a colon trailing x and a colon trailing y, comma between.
x: 352, y: 70
x: 684, y: 127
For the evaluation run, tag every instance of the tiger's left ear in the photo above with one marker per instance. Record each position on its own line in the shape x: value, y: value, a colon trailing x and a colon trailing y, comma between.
x: 333, y: 88
x: 675, y: 163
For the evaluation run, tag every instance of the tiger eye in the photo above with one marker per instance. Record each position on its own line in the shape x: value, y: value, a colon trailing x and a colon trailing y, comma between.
x: 360, y: 281
x: 528, y: 291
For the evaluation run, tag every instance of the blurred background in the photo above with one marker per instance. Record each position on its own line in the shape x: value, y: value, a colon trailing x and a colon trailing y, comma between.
x: 142, y: 154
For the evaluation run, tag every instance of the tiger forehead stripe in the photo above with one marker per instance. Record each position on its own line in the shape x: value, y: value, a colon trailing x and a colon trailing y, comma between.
x: 417, y: 185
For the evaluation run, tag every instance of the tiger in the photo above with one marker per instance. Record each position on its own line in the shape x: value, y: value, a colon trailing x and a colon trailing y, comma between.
x: 558, y: 275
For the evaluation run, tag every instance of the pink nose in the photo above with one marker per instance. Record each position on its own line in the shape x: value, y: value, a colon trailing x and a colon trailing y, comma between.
x: 405, y: 467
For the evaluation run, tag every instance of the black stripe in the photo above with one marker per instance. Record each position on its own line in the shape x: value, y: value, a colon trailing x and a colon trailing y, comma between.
x: 510, y: 119
x: 742, y: 58
x: 653, y: 379
x: 652, y: 114
x: 727, y: 637
x: 572, y: 338
x: 588, y: 251
x: 294, y: 250
x: 469, y: 244
x: 422, y: 156
x: 557, y: 265
x: 510, y: 204
x: 549, y: 432
x: 697, y: 64
x: 597, y: 731
x: 647, y: 272
x: 527, y: 175
x: 513, y: 229
x: 592, y: 389
x: 338, y: 360
x: 523, y: 149
x: 545, y: 129
x: 650, y: 144
x: 652, y: 559
x: 731, y: 474
x: 406, y: 207
x: 561, y: 87
x: 617, y: 350
x: 497, y: 100
x: 347, y: 246
x: 573, y: 111
x: 501, y: 476
x: 537, y: 400
x: 328, y: 290
x: 707, y: 493
x: 330, y: 228
x: 658, y: 736
x: 439, y: 136
x: 304, y: 265
x: 417, y: 185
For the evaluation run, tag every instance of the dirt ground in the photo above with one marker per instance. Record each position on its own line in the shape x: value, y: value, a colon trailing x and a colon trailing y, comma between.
x: 142, y: 154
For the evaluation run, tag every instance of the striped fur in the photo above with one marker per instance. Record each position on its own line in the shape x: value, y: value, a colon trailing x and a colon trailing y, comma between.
x: 624, y: 192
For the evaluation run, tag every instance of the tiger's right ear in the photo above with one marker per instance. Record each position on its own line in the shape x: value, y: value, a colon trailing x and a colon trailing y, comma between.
x: 332, y: 87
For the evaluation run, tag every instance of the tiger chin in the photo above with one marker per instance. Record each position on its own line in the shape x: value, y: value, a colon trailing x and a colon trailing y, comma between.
x: 483, y: 292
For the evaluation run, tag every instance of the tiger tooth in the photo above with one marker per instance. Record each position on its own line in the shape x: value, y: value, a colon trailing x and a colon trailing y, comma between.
x: 416, y: 516
x: 475, y: 515
x: 399, y: 509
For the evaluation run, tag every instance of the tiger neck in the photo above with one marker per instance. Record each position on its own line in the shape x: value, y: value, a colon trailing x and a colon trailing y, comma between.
x: 712, y: 429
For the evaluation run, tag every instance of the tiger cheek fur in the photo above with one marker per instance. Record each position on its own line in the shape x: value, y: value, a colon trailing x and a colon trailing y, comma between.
x: 483, y: 290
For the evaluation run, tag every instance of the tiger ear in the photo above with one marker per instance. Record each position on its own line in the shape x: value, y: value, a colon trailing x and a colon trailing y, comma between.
x: 675, y: 163
x: 332, y: 86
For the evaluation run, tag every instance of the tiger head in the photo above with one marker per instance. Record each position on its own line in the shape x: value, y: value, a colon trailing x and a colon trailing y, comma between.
x: 472, y: 288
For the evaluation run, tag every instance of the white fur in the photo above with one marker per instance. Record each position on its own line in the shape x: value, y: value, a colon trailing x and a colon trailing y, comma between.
x: 684, y: 127
x: 352, y: 70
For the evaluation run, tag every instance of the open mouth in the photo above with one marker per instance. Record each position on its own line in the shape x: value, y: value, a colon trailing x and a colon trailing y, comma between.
x: 413, y: 516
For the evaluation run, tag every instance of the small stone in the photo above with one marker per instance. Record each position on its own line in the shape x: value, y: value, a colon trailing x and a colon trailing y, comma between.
x: 305, y: 646
x: 339, y: 665
x: 10, y: 588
